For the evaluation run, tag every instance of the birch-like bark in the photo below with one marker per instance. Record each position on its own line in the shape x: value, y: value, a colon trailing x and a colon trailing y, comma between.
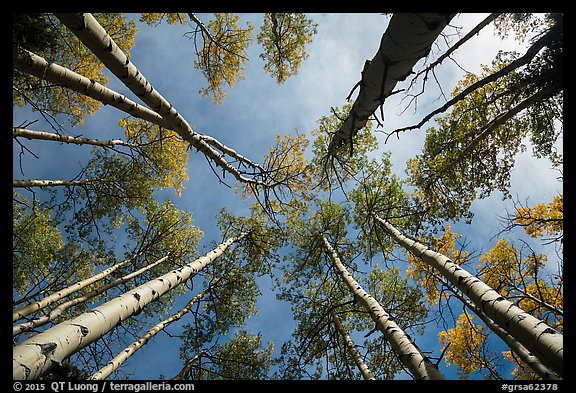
x: 46, y: 301
x: 183, y: 374
x: 524, y: 354
x: 113, y: 364
x: 95, y: 37
x: 362, y: 366
x: 37, y: 66
x: 56, y: 312
x: 35, y: 356
x: 231, y: 152
x: 57, y: 183
x: 539, y: 338
x: 408, y: 353
x: 408, y: 38
x: 51, y: 136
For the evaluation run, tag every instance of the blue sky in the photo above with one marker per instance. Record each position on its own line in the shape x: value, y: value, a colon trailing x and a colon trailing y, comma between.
x: 254, y: 112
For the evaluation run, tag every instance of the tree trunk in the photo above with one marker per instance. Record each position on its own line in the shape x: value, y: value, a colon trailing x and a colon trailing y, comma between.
x: 136, y: 345
x: 408, y: 353
x: 46, y: 301
x: 50, y: 136
x: 37, y: 66
x: 56, y: 312
x: 55, y: 183
x: 539, y: 338
x: 362, y: 366
x: 35, y: 356
x: 532, y: 361
x: 408, y: 38
x: 93, y: 35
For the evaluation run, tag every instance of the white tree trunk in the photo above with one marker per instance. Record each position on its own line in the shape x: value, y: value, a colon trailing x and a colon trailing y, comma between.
x: 407, y: 39
x: 46, y: 301
x: 95, y: 37
x: 524, y: 354
x: 56, y: 183
x: 362, y: 366
x: 408, y: 353
x: 57, y: 311
x: 113, y: 364
x: 37, y: 355
x: 37, y: 66
x: 50, y: 136
x: 539, y: 338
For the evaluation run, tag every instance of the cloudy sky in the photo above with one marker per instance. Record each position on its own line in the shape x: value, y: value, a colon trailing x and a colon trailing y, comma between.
x: 255, y: 111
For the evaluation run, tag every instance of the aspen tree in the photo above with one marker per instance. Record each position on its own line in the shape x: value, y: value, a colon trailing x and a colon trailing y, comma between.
x: 312, y: 284
x: 18, y: 132
x: 362, y: 366
x: 33, y: 64
x: 47, y: 300
x: 542, y: 340
x: 143, y: 340
x: 182, y: 375
x: 409, y: 354
x: 524, y: 354
x: 93, y: 35
x: 408, y: 38
x: 57, y: 311
x: 284, y: 38
x: 433, y: 282
x: 58, y: 183
x: 42, y: 34
x: 37, y: 355
x: 221, y: 55
x: 159, y: 149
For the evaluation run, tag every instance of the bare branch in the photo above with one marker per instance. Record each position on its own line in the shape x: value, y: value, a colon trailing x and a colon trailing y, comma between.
x: 525, y: 59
